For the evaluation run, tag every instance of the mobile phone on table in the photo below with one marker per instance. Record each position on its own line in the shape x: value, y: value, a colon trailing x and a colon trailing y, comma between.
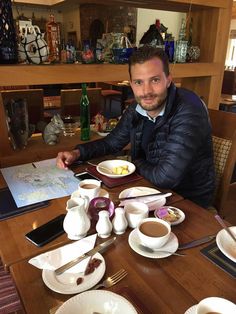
x: 85, y: 175
x: 47, y: 232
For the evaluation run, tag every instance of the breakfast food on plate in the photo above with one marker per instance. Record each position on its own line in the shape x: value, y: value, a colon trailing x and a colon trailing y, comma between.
x: 170, y: 214
x: 120, y: 170
x: 92, y: 265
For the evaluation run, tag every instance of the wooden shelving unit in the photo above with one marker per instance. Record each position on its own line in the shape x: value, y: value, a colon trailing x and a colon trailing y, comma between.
x: 211, y: 21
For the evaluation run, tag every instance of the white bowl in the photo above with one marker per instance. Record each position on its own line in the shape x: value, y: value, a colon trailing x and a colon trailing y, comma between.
x: 226, y: 244
x: 110, y: 164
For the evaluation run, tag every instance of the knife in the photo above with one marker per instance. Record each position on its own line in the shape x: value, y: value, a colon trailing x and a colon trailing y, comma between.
x: 194, y: 243
x: 77, y: 260
x: 145, y: 195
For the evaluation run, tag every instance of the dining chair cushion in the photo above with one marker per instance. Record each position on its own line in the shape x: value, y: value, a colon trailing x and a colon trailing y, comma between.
x: 221, y: 148
x: 9, y: 299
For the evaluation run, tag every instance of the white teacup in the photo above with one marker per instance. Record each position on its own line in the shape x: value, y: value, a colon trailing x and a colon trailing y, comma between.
x: 153, y: 232
x: 89, y: 188
x: 135, y: 212
x: 215, y: 305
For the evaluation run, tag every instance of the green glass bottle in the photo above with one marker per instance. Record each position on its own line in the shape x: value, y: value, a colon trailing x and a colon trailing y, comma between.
x: 84, y: 115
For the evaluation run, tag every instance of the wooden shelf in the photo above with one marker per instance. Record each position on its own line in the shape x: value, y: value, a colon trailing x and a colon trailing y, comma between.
x: 168, y: 5
x: 79, y: 73
x: 211, y: 22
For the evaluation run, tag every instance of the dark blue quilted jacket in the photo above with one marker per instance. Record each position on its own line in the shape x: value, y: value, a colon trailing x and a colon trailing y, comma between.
x: 179, y: 155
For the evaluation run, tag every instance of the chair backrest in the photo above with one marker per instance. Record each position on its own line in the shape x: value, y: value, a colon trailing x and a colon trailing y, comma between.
x: 224, y: 146
x: 70, y: 101
x: 34, y: 100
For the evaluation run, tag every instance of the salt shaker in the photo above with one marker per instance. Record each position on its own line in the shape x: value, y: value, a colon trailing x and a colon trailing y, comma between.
x: 103, y: 226
x: 119, y: 221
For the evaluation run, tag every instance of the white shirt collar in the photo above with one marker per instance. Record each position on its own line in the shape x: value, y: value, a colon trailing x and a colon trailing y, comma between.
x: 143, y: 112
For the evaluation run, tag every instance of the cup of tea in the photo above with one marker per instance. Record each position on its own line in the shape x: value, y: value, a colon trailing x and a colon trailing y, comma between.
x: 215, y: 305
x: 135, y: 212
x: 89, y: 188
x: 153, y: 232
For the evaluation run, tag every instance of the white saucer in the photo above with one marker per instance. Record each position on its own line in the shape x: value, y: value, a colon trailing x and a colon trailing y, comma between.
x: 191, y: 310
x: 103, y: 133
x: 226, y: 244
x: 171, y: 245
x: 102, y: 193
x: 178, y: 221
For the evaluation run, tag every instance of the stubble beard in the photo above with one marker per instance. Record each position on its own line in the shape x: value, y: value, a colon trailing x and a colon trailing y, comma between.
x: 151, y: 107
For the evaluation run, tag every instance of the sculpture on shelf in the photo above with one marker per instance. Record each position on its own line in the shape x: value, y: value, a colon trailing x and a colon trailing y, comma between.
x: 17, y: 122
x: 193, y: 54
x: 52, y: 130
x: 32, y: 47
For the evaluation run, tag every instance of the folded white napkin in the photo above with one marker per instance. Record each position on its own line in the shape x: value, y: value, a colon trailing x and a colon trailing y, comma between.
x: 58, y: 257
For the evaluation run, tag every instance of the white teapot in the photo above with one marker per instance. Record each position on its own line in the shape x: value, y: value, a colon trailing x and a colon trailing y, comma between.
x: 76, y: 223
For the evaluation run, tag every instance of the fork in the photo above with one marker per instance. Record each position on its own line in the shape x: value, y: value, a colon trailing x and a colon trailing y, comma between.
x: 112, y: 280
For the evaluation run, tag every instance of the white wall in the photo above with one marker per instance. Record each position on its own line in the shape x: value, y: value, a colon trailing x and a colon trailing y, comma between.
x: 146, y: 17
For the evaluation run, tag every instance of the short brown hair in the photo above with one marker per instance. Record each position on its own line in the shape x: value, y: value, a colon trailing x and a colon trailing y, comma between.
x: 146, y: 53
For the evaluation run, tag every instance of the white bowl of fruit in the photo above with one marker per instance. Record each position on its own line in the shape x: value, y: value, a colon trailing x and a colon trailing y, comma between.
x: 115, y: 168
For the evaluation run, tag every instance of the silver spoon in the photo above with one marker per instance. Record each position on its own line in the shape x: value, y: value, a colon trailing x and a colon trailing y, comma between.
x: 149, y: 250
x: 105, y: 168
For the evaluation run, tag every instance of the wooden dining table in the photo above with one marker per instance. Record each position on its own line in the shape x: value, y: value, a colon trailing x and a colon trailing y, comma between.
x: 153, y: 285
x: 166, y: 285
x: 18, y: 248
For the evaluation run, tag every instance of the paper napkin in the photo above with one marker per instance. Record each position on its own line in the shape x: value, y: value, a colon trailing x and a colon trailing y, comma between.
x: 58, y: 257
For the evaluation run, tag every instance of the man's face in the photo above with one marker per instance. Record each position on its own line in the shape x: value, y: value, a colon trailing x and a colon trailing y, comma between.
x: 149, y: 84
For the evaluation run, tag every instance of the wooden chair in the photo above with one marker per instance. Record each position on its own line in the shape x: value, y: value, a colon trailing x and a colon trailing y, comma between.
x: 109, y: 95
x: 224, y: 146
x: 70, y: 101
x: 34, y: 100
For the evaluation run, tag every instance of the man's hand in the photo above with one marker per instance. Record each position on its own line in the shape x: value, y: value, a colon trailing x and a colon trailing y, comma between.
x: 65, y: 159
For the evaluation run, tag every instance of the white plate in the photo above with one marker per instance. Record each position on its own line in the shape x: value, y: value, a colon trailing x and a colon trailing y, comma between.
x: 191, y: 310
x: 178, y: 221
x: 66, y: 282
x: 110, y: 164
x: 97, y: 301
x: 92, y: 127
x: 103, y: 133
x: 226, y: 244
x: 171, y: 245
x: 143, y: 190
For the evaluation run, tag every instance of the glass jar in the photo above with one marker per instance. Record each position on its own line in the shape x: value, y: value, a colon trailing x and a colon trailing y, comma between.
x: 181, y: 51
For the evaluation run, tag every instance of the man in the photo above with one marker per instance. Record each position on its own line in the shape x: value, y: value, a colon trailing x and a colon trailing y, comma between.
x: 168, y: 129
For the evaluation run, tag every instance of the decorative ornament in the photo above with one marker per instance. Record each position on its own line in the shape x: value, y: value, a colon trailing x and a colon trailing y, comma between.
x: 193, y: 53
x: 33, y: 47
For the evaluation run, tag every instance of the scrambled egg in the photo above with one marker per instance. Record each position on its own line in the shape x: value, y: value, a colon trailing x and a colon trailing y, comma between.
x: 120, y: 170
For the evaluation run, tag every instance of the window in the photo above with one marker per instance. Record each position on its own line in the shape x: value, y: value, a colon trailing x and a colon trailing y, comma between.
x: 230, y: 62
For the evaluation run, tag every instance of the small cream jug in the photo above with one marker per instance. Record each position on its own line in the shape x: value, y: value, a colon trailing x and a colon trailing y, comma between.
x: 76, y: 223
